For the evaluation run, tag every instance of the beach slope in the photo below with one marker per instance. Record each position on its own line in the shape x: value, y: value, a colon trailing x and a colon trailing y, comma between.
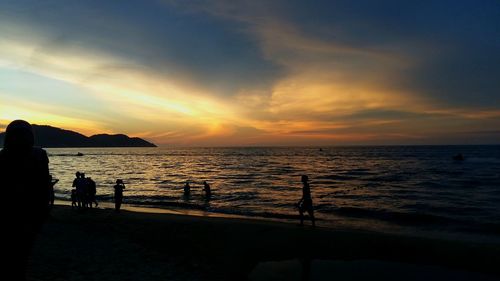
x: 102, y: 244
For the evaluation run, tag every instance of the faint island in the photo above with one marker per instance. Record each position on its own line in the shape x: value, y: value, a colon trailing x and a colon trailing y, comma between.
x: 48, y: 136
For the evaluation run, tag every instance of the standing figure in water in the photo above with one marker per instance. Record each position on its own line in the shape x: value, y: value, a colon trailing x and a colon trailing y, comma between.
x: 305, y: 203
x: 52, y: 182
x: 119, y: 187
x: 206, y: 188
x: 187, y: 189
x: 24, y: 175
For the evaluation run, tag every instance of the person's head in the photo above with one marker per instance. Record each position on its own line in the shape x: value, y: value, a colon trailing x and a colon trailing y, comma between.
x: 19, y: 136
x: 119, y: 181
x: 77, y: 174
x: 205, y: 182
x: 82, y: 175
x: 304, y: 179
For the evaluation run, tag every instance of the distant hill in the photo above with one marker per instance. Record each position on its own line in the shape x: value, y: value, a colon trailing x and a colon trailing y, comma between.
x: 48, y: 136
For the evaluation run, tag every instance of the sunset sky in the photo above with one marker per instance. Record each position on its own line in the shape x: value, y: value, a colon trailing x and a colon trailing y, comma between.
x: 217, y: 73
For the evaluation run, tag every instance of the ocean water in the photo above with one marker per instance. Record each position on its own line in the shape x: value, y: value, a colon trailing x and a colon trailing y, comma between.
x: 380, y: 186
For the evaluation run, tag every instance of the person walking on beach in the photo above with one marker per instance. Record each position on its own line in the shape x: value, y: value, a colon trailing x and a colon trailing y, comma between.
x: 91, y: 192
x: 24, y: 174
x: 119, y: 187
x: 206, y: 188
x: 52, y: 182
x: 305, y: 203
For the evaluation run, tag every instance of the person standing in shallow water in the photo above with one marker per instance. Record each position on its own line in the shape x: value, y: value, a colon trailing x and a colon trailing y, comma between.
x: 206, y: 188
x: 305, y: 203
x: 187, y: 189
x: 119, y: 187
x: 24, y: 175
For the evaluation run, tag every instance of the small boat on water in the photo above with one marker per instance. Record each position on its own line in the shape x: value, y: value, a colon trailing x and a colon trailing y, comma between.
x: 79, y: 154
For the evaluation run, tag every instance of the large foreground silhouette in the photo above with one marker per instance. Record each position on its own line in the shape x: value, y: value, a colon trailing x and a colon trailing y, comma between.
x: 24, y: 177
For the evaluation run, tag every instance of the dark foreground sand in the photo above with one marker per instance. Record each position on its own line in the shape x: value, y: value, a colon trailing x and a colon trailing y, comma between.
x: 105, y: 245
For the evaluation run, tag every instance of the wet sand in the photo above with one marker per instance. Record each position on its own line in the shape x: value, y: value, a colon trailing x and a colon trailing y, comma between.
x: 102, y: 244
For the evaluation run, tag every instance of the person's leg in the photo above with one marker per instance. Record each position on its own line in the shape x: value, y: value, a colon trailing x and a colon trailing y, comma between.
x: 301, y: 212
x: 118, y: 203
x: 311, y: 214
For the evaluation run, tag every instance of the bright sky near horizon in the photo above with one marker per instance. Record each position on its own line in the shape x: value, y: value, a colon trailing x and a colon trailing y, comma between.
x: 217, y: 73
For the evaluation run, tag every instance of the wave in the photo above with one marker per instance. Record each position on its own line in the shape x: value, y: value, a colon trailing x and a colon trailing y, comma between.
x: 408, y: 218
x: 398, y: 218
x: 341, y: 177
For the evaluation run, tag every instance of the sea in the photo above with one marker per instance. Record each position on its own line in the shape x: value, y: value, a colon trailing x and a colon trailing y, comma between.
x: 417, y: 189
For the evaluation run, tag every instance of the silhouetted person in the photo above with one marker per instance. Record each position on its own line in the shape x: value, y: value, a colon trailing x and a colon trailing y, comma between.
x: 92, y: 190
x: 119, y: 187
x: 305, y: 203
x: 24, y: 175
x: 78, y: 185
x: 206, y: 188
x: 52, y: 182
x: 77, y: 176
x: 84, y: 191
x: 187, y: 189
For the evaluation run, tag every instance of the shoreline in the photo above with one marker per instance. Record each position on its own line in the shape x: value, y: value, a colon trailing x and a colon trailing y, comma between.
x: 153, y: 209
x: 102, y: 244
x: 345, y: 223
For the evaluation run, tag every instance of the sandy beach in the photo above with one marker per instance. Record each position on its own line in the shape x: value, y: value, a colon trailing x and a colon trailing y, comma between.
x: 101, y: 244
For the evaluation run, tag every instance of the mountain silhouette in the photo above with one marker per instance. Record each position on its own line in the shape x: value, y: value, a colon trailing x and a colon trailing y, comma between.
x: 48, y: 136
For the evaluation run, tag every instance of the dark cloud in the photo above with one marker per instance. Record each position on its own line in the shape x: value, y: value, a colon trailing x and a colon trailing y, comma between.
x: 385, y: 115
x: 455, y: 44
x: 171, y: 42
x: 466, y: 77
